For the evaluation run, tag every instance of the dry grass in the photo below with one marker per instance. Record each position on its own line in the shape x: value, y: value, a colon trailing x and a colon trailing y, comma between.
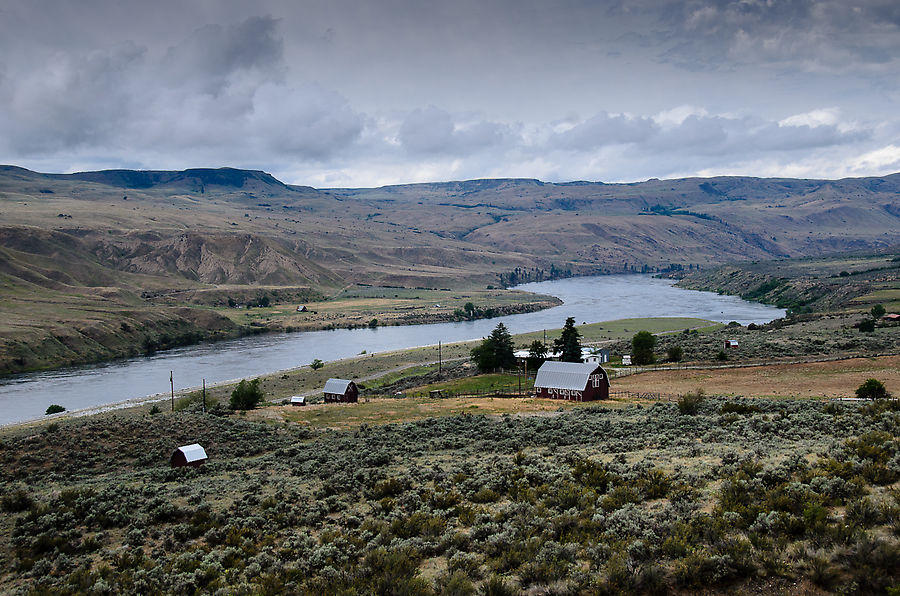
x: 386, y: 410
x: 820, y: 379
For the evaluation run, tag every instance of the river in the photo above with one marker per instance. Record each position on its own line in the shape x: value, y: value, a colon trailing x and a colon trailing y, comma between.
x: 588, y: 299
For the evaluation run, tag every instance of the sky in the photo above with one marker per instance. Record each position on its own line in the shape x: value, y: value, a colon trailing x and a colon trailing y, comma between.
x: 361, y: 93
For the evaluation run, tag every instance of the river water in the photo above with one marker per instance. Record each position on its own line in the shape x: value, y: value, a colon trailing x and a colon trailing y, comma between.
x: 588, y: 299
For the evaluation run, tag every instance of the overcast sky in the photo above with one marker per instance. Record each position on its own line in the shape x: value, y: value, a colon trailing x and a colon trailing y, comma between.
x: 369, y: 92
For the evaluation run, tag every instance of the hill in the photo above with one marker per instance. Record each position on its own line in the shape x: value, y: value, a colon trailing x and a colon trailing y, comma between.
x: 79, y: 251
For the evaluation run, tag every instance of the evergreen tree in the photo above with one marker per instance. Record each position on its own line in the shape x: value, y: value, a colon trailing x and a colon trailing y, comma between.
x: 569, y: 342
x: 495, y: 351
x: 537, y: 353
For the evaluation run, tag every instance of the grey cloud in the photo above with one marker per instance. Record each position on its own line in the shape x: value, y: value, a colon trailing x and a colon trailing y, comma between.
x: 220, y: 90
x: 604, y: 129
x: 433, y: 131
x: 73, y: 100
x: 213, y: 53
x: 716, y: 135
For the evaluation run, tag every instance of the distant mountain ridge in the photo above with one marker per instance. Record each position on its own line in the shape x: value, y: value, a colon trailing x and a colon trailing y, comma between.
x: 92, y: 264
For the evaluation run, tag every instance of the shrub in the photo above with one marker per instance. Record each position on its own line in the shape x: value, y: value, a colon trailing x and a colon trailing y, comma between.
x: 246, y: 396
x: 867, y: 326
x: 316, y: 364
x: 54, y: 409
x: 722, y: 356
x: 870, y: 389
x: 675, y: 354
x: 738, y: 408
x: 689, y: 403
x: 877, y: 311
x: 642, y: 345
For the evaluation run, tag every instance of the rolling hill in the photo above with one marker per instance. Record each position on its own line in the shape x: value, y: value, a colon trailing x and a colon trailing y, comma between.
x: 96, y: 250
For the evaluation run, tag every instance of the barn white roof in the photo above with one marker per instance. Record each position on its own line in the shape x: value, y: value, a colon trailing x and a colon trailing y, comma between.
x: 336, y: 386
x: 193, y: 452
x: 564, y: 375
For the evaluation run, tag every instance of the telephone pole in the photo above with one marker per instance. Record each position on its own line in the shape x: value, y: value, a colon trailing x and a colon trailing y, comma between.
x: 172, y: 383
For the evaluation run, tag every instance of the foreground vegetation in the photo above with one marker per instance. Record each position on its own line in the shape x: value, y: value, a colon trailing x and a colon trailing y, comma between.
x: 751, y: 495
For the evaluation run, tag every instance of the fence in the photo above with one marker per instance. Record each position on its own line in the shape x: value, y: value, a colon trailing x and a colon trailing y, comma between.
x: 508, y: 390
x: 645, y: 395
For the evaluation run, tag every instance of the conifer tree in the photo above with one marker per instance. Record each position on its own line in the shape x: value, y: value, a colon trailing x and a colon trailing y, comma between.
x: 569, y: 342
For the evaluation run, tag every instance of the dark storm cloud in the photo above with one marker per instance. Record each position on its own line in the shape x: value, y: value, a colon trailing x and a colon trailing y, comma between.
x: 800, y: 34
x: 220, y: 89
x: 213, y: 53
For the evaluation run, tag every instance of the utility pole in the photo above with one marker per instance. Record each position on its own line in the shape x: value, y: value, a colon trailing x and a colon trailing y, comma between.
x: 172, y: 383
x: 204, y: 396
x: 440, y: 360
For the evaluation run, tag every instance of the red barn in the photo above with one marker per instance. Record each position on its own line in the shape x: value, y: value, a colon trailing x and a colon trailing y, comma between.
x: 577, y: 381
x: 341, y: 390
x: 189, y: 455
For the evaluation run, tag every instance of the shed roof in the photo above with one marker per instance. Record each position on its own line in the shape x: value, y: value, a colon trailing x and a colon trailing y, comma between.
x: 298, y: 399
x: 193, y: 452
x: 564, y: 375
x: 338, y: 386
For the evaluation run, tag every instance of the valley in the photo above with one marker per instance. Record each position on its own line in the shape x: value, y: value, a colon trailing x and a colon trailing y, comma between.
x: 107, y: 264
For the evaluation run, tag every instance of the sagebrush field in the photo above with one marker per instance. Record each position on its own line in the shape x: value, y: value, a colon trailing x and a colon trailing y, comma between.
x: 748, y: 496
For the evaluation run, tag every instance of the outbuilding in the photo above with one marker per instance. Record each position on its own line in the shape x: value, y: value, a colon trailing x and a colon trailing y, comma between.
x: 731, y: 344
x: 298, y: 400
x: 600, y: 357
x: 341, y: 390
x: 576, y: 381
x: 302, y: 308
x: 190, y: 455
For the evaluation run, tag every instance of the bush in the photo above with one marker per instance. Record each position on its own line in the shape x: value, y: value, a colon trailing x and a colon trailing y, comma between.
x: 870, y: 389
x: 54, y: 409
x: 642, y: 345
x: 867, y: 326
x: 316, y: 364
x: 722, y: 356
x: 675, y: 354
x: 246, y: 396
x: 689, y: 403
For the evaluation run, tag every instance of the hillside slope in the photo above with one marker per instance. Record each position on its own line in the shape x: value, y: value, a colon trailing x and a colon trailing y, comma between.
x: 75, y: 249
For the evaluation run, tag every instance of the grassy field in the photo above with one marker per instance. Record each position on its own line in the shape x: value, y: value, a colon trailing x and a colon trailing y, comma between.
x: 360, y: 306
x: 392, y: 411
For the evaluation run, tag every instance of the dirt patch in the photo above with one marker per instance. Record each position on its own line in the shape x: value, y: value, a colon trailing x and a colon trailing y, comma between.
x: 819, y: 379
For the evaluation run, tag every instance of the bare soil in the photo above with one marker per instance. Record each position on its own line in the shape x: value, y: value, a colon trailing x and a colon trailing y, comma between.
x: 820, y: 379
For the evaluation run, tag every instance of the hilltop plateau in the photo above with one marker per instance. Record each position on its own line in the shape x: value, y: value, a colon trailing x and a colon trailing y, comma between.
x: 102, y: 264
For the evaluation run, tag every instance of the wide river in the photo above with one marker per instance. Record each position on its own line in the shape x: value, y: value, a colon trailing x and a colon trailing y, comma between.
x: 588, y: 299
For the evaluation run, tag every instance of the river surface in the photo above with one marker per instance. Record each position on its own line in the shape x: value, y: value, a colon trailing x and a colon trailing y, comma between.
x: 588, y: 299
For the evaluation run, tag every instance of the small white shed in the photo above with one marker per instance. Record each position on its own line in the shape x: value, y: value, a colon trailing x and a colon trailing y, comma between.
x: 189, y: 455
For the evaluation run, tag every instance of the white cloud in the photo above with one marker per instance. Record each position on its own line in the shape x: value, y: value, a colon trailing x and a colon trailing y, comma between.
x: 814, y: 118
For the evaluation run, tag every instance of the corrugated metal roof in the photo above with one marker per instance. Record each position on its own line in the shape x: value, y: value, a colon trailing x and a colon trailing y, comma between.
x: 193, y: 452
x: 564, y: 375
x: 298, y: 399
x: 338, y: 386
